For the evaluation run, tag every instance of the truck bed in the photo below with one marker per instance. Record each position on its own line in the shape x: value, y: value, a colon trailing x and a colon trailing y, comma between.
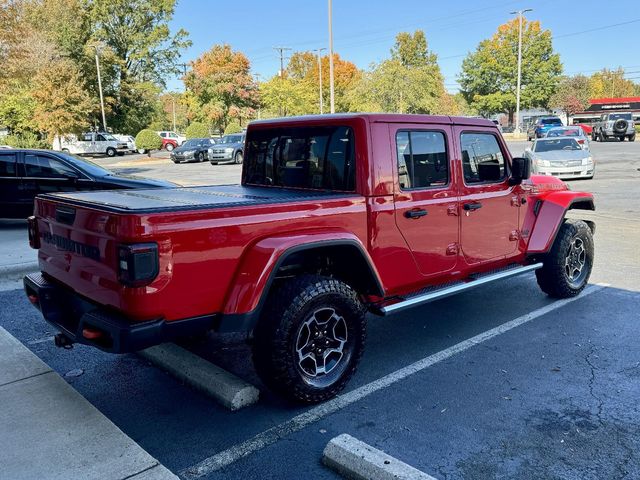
x: 188, y: 198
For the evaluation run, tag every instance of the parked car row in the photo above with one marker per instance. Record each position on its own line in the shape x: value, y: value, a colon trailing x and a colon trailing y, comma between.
x: 228, y: 149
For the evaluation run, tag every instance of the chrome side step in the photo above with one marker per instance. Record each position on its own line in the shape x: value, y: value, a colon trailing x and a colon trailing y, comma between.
x: 459, y: 287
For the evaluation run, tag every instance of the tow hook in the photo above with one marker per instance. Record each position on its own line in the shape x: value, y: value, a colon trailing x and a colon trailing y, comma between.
x: 62, y: 341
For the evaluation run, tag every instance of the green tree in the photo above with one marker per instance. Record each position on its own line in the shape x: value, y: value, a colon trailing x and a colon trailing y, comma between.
x: 610, y: 84
x: 572, y: 95
x: 140, y: 52
x: 286, y: 96
x: 409, y: 82
x: 489, y: 74
x: 197, y: 130
x: 223, y: 87
x: 233, y: 127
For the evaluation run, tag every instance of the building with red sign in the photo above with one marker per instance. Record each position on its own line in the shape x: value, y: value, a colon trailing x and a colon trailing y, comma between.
x: 600, y: 106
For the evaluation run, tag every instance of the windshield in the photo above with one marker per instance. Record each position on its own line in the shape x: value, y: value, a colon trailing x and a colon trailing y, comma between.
x: 194, y: 142
x: 301, y: 157
x: 617, y: 116
x: 109, y: 137
x: 232, y: 139
x: 565, y: 132
x: 551, y: 121
x: 86, y: 166
x: 558, y: 144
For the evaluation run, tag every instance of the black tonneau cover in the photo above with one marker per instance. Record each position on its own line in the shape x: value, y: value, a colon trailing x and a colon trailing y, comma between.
x: 188, y: 198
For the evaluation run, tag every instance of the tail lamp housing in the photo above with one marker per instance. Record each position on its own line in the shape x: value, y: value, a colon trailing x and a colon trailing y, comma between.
x: 32, y: 230
x: 138, y: 264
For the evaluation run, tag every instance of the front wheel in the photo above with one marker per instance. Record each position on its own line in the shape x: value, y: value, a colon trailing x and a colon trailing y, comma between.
x: 200, y: 157
x: 310, y: 338
x: 111, y: 152
x: 567, y: 267
x: 238, y: 158
x: 632, y: 138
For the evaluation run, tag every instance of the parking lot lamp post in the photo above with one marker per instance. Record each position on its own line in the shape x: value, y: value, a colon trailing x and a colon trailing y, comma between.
x: 517, y: 119
x: 104, y: 118
x: 320, y: 77
x: 331, y: 90
x: 173, y: 108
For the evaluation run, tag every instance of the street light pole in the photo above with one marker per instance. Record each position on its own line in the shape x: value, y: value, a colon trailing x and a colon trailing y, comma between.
x: 320, y: 77
x: 104, y: 118
x: 173, y: 105
x: 331, y: 89
x: 519, y: 13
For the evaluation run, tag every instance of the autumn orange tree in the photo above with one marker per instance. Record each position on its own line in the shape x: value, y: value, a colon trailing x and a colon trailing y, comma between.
x: 221, y: 83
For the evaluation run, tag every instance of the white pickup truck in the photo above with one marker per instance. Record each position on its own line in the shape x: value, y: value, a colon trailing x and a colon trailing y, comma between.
x: 90, y: 143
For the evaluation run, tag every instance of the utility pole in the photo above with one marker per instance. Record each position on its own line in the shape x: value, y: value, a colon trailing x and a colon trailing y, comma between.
x: 331, y: 89
x: 519, y: 13
x: 320, y: 77
x: 173, y: 105
x: 281, y: 51
x: 104, y: 118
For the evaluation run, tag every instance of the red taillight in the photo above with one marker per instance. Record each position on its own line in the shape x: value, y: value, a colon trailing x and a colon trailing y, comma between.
x: 33, y: 299
x: 138, y: 265
x: 32, y: 230
x: 581, y: 141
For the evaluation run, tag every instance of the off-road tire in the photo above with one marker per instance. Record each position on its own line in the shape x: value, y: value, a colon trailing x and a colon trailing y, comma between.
x: 111, y: 152
x: 552, y: 277
x: 289, y: 306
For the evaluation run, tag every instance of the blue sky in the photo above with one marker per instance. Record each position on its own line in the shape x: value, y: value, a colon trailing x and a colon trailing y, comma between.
x: 364, y: 31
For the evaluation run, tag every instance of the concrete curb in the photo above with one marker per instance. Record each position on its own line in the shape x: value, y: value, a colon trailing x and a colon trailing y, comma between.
x: 357, y: 460
x: 18, y: 269
x: 229, y: 390
x: 51, y: 431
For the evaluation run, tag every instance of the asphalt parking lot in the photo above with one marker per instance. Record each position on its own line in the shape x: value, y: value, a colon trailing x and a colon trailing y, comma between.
x: 550, y: 393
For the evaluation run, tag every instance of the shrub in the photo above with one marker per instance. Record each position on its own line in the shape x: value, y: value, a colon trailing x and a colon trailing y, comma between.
x: 197, y: 130
x: 637, y: 128
x: 233, y: 127
x: 25, y: 140
x: 148, y: 140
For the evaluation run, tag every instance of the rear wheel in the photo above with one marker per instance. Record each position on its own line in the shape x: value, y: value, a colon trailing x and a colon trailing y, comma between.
x: 567, y: 267
x: 142, y: 151
x: 310, y: 338
x: 169, y: 147
x: 632, y: 138
x: 200, y: 157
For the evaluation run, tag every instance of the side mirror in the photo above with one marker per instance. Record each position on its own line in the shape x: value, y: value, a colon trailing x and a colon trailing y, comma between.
x: 520, y: 170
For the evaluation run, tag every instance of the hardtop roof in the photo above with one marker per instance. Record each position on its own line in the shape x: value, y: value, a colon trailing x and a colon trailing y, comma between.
x: 378, y: 118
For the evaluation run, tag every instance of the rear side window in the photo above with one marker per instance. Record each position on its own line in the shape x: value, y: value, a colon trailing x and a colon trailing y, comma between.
x: 7, y: 165
x: 422, y: 159
x: 39, y: 166
x: 482, y: 159
x: 302, y: 157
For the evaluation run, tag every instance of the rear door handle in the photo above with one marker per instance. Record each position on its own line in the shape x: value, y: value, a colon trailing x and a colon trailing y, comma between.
x: 416, y: 213
x: 472, y: 206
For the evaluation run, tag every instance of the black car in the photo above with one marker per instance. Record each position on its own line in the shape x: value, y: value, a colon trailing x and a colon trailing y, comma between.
x: 27, y: 173
x: 193, y: 150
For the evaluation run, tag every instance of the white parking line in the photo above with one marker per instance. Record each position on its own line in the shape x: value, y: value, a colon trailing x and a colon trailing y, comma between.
x: 357, y: 460
x: 297, y: 423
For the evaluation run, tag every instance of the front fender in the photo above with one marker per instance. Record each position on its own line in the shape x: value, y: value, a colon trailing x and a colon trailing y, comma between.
x: 550, y: 216
x: 261, y: 260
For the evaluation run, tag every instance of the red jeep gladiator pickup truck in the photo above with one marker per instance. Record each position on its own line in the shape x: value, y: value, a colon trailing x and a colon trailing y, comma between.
x: 335, y: 216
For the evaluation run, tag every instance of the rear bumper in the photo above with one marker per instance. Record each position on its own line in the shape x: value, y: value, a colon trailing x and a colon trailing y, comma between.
x: 90, y: 324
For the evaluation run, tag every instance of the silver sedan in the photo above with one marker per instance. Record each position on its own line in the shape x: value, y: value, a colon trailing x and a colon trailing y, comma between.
x: 561, y: 157
x: 574, y: 132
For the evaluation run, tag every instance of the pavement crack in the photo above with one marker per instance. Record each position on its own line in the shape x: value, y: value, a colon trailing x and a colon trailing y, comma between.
x: 591, y: 384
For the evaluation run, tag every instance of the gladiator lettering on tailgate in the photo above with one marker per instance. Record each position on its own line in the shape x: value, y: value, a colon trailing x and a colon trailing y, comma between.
x: 69, y: 245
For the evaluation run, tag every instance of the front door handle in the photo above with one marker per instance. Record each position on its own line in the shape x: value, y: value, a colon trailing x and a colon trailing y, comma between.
x: 472, y: 206
x: 416, y: 213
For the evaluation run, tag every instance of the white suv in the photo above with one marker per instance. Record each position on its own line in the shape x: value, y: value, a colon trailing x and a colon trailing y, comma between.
x: 179, y: 139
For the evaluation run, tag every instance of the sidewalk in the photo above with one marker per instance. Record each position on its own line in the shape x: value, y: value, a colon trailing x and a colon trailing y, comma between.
x: 50, y: 431
x: 17, y: 258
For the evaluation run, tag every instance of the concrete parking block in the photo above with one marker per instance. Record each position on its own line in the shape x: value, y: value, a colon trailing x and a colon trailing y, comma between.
x: 16, y: 361
x: 229, y: 390
x: 357, y: 460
